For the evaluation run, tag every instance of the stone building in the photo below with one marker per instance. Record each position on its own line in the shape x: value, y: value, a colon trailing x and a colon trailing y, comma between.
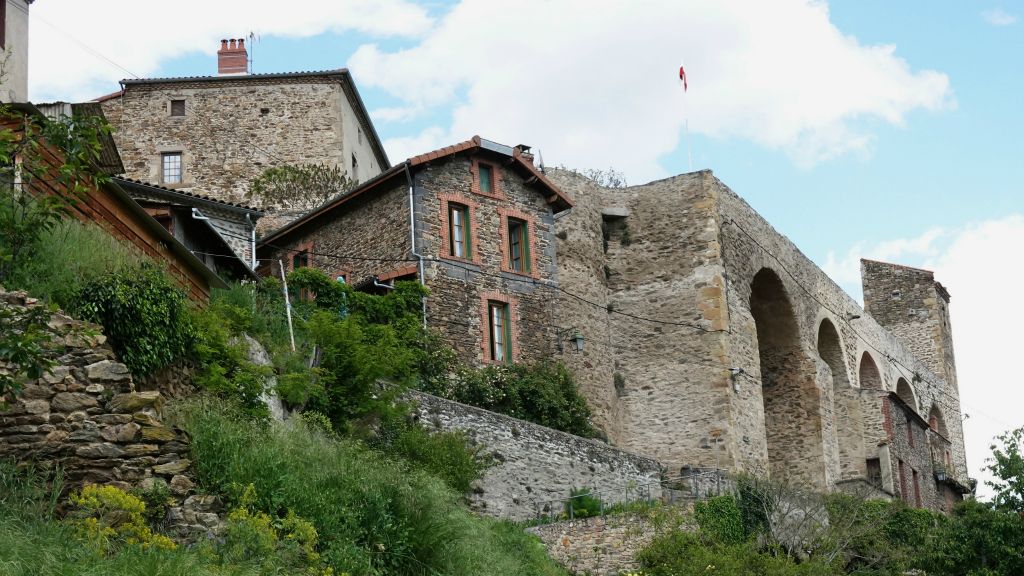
x: 214, y: 134
x: 712, y: 341
x: 474, y: 222
x: 14, y: 43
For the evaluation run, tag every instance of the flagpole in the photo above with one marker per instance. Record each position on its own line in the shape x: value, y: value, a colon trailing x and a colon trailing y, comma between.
x: 686, y: 118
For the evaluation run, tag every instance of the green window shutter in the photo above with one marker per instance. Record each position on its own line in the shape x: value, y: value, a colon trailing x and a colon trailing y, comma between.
x: 527, y: 264
x: 467, y: 237
x: 508, y: 333
x: 486, y: 178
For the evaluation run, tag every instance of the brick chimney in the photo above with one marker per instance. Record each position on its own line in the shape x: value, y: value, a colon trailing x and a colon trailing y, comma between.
x: 232, y: 57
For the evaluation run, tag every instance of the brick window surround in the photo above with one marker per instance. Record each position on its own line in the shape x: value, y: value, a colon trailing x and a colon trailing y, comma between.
x: 299, y: 249
x: 485, y: 326
x: 531, y: 238
x: 496, y: 191
x: 402, y: 272
x: 445, y: 200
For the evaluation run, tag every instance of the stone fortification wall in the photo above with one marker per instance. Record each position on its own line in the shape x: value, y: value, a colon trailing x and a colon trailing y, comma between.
x: 234, y: 130
x: 86, y: 417
x: 534, y: 465
x: 656, y: 370
x: 750, y: 246
x: 696, y: 286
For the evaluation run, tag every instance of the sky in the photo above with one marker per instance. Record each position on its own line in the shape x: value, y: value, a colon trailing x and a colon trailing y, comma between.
x: 858, y: 128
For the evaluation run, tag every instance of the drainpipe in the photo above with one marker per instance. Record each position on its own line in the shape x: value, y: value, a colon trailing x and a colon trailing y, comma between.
x: 252, y: 240
x: 412, y: 239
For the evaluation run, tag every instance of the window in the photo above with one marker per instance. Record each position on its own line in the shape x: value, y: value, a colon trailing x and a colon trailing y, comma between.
x: 359, y: 135
x: 917, y: 489
x: 177, y: 107
x: 499, y: 323
x: 518, y: 246
x: 486, y: 179
x: 903, y: 481
x: 171, y: 169
x: 355, y: 168
x: 458, y: 231
x: 3, y: 24
x: 874, y: 470
x: 300, y: 260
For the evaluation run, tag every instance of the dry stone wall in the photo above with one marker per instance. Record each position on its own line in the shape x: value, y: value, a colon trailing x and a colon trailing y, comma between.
x: 86, y: 417
x: 602, y: 546
x: 536, y: 467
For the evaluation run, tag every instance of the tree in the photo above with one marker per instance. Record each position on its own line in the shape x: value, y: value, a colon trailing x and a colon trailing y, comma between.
x: 1007, y: 466
x: 299, y: 186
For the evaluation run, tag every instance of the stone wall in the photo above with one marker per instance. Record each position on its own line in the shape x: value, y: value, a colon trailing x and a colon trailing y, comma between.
x: 460, y: 287
x: 646, y: 261
x: 714, y: 342
x: 235, y: 129
x: 366, y: 237
x: 536, y: 467
x: 86, y: 417
x: 603, y: 546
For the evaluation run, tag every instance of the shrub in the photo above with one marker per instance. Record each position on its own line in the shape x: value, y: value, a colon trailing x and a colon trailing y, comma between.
x: 108, y: 517
x: 373, y: 514
x: 143, y: 315
x: 720, y: 520
x: 447, y: 455
x: 582, y: 503
x: 680, y: 552
x: 544, y: 393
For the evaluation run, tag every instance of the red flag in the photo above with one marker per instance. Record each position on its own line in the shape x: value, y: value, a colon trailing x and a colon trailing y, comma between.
x: 682, y: 77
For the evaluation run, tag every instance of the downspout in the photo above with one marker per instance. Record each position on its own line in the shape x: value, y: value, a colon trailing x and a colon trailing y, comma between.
x: 412, y: 239
x: 252, y: 240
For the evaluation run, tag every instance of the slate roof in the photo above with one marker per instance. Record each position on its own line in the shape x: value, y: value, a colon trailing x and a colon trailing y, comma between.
x: 187, y: 197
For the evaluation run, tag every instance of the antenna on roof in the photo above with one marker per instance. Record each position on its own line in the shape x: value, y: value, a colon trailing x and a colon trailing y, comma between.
x: 253, y: 39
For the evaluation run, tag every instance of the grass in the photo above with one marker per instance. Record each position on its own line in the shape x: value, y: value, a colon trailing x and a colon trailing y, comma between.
x: 374, y: 514
x: 33, y: 543
x: 66, y: 257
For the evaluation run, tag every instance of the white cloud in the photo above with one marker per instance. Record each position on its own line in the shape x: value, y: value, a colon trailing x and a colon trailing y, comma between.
x: 998, y: 17
x: 972, y: 262
x: 65, y: 35
x: 595, y: 83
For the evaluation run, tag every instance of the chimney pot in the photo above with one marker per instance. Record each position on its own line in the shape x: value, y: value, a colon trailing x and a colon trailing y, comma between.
x: 232, y: 58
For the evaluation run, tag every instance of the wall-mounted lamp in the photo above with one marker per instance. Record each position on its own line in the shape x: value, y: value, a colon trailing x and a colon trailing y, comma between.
x: 734, y: 375
x: 574, y: 336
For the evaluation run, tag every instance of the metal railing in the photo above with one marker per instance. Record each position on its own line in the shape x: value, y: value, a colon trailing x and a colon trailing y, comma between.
x: 689, y: 486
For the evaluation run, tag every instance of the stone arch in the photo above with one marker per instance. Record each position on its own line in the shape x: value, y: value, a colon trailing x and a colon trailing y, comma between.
x: 868, y: 375
x: 906, y: 393
x: 847, y: 423
x: 792, y: 402
x: 937, y: 422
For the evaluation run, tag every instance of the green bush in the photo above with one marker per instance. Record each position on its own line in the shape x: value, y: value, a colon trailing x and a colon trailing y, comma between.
x: 34, y: 543
x: 447, y: 455
x: 544, y: 393
x: 582, y: 503
x: 678, y: 553
x: 720, y: 520
x: 374, y: 515
x: 143, y: 315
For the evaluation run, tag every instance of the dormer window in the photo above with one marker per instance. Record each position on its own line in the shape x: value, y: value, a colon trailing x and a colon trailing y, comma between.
x: 486, y: 179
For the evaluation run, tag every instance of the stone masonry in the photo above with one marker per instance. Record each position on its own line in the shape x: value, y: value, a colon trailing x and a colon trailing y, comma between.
x: 86, y: 417
x: 714, y: 342
x: 367, y: 234
x: 235, y: 127
x: 536, y: 467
